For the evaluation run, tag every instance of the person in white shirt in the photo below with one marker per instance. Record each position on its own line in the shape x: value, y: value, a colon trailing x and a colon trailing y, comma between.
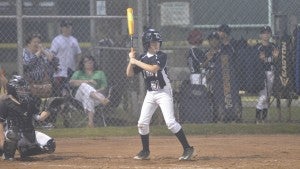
x: 66, y: 48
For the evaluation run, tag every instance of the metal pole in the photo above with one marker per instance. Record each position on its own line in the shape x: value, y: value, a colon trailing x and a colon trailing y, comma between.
x: 19, y: 36
x: 140, y: 25
x: 92, y: 22
x: 147, y: 12
x: 270, y: 13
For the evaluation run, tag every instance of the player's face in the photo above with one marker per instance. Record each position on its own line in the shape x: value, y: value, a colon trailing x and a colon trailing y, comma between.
x: 154, y: 47
x: 265, y: 36
x: 222, y: 34
x: 214, y: 43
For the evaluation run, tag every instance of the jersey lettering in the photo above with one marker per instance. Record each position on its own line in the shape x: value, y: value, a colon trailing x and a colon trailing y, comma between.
x: 148, y: 74
x: 155, y: 85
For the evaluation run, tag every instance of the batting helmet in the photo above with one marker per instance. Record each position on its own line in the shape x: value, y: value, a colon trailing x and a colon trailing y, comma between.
x: 266, y: 29
x: 224, y: 28
x: 151, y: 35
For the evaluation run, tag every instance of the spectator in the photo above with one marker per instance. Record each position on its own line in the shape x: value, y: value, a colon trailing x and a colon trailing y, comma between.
x: 268, y: 54
x: 38, y: 64
x: 37, y: 60
x: 17, y: 112
x: 196, y: 57
x: 152, y: 64
x: 91, y: 84
x: 66, y: 48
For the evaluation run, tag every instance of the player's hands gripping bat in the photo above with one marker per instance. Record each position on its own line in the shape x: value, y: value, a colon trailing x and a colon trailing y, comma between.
x: 130, y: 21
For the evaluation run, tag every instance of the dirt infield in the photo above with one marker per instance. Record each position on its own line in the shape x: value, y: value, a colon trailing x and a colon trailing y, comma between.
x: 212, y: 152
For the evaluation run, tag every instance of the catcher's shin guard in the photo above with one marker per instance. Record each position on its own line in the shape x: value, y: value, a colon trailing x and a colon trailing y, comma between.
x: 32, y: 150
x: 10, y: 144
x: 44, y: 144
x: 36, y: 149
x: 9, y: 149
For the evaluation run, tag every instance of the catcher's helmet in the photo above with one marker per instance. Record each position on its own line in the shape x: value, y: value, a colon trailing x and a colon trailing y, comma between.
x: 19, y: 88
x: 150, y: 35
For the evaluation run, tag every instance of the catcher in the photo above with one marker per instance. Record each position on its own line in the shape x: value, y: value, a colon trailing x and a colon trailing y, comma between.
x: 17, y: 111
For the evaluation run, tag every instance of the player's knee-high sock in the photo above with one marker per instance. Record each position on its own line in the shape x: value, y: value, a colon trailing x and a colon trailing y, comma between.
x: 145, y: 142
x: 182, y: 138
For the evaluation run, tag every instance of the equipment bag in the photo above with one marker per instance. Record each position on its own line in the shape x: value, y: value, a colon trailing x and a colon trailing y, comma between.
x: 195, y: 104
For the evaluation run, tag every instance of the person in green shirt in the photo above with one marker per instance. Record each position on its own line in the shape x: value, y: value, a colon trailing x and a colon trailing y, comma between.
x: 91, y: 84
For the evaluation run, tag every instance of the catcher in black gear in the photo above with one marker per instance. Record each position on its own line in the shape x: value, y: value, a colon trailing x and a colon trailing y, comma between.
x: 18, y: 109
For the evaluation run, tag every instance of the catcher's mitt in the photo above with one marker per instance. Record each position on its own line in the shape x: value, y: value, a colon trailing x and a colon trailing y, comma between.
x: 53, y: 103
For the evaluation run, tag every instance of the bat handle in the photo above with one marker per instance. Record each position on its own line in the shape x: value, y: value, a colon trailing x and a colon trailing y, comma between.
x: 131, y: 43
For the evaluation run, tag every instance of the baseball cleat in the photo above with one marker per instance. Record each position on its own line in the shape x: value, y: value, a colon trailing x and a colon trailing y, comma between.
x: 187, y: 154
x: 7, y: 158
x: 142, y: 155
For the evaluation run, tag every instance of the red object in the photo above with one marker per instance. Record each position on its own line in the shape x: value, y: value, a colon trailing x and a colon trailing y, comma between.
x: 195, y: 37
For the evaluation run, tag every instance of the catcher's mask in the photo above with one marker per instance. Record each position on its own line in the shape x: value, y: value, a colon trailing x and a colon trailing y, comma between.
x: 19, y: 88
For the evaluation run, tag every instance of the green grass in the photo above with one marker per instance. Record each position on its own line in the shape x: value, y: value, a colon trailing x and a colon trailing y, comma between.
x: 249, y: 114
x: 190, y: 129
x: 159, y: 129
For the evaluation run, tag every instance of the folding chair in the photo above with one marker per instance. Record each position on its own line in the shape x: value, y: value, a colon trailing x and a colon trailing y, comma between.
x: 115, y: 97
x: 75, y: 105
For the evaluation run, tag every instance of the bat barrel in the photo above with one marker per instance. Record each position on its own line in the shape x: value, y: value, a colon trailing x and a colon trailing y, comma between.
x: 130, y: 21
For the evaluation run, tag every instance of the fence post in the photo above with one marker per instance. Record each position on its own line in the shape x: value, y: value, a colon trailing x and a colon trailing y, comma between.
x: 20, y: 36
x: 93, y: 22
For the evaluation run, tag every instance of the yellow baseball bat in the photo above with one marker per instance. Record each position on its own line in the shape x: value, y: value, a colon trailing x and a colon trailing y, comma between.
x: 130, y: 22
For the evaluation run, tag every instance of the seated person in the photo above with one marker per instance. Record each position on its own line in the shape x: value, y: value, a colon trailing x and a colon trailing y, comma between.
x: 17, y: 111
x: 91, y: 83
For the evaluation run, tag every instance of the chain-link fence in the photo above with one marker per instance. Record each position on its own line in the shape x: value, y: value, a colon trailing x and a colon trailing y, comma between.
x: 100, y: 27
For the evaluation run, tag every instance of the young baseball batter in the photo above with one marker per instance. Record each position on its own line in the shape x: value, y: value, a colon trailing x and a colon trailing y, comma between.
x: 159, y: 92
